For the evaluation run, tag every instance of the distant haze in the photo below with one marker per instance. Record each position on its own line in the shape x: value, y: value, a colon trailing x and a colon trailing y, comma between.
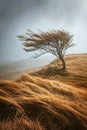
x: 16, y: 16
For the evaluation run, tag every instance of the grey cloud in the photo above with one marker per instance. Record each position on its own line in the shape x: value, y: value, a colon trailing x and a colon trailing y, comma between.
x: 16, y: 7
x: 10, y: 10
x: 67, y: 10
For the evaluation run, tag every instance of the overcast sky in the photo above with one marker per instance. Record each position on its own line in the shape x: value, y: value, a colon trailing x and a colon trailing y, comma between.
x: 18, y: 15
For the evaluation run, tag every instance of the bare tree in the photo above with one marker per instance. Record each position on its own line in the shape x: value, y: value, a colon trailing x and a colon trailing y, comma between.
x: 55, y: 42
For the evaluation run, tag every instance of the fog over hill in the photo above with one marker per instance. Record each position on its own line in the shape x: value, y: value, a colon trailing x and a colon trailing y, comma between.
x: 12, y: 70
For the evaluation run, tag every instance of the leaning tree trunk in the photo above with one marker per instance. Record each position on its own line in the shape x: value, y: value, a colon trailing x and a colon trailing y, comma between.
x: 63, y: 63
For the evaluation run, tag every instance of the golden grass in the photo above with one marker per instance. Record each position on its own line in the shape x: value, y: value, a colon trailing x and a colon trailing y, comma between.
x: 76, y: 71
x: 34, y: 102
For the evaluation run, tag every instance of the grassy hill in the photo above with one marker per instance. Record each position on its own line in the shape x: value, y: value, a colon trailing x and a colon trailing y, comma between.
x: 76, y: 70
x: 47, y: 99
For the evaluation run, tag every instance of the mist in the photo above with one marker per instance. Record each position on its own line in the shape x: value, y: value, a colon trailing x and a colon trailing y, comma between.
x: 19, y: 15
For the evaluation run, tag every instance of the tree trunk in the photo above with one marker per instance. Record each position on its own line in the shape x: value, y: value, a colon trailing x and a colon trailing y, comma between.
x: 63, y: 64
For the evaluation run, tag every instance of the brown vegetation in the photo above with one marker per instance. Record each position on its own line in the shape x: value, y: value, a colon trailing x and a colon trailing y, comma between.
x: 34, y: 102
x: 75, y: 74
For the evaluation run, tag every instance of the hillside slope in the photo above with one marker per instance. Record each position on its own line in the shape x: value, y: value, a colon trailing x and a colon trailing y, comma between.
x: 76, y: 70
x: 47, y: 99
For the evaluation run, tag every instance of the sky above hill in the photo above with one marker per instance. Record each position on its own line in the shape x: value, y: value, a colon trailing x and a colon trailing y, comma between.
x: 16, y: 16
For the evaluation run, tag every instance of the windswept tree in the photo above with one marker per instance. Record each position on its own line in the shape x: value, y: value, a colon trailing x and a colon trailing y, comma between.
x: 55, y: 42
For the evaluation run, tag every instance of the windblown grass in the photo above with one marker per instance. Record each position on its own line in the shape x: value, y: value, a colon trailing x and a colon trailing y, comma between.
x: 76, y: 71
x: 34, y: 102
